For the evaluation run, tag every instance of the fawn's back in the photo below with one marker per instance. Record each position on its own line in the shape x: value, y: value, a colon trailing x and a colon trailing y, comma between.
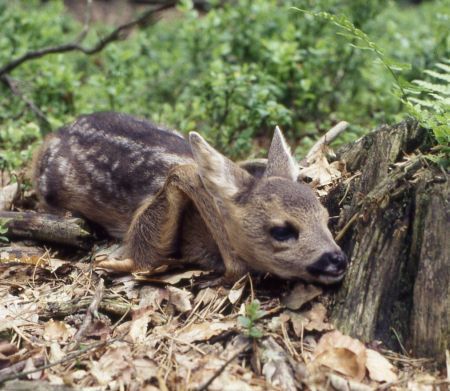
x: 104, y: 165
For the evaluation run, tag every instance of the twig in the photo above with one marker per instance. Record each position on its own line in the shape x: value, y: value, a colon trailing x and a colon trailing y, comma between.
x: 69, y: 357
x: 221, y: 369
x: 327, y: 138
x: 14, y: 87
x: 91, y: 311
x: 343, y: 231
x: 114, y: 35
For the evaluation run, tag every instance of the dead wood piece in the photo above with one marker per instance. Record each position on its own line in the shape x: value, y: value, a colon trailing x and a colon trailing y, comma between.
x: 47, y: 228
x: 24, y: 385
x: 397, y: 286
x: 92, y: 310
x: 114, y: 35
x: 326, y: 139
x: 62, y: 309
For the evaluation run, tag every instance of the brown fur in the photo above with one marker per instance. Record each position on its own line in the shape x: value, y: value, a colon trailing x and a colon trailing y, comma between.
x: 187, y: 203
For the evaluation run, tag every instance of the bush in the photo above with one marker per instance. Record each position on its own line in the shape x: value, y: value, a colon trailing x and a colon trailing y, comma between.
x: 231, y: 74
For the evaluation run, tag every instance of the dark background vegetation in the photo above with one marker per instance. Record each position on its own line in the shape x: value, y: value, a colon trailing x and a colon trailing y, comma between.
x: 231, y: 70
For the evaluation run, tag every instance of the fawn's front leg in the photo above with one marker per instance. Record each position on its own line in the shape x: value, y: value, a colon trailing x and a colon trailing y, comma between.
x: 156, y: 226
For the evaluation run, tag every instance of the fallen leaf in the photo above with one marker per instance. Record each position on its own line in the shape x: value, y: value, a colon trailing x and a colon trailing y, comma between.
x: 113, y: 364
x: 15, y: 314
x: 145, y: 368
x: 379, y: 368
x: 311, y: 320
x: 204, y: 331
x: 56, y: 353
x: 319, y: 170
x: 180, y: 298
x: 300, y: 295
x: 236, y: 290
x: 56, y: 330
x: 341, y: 384
x: 138, y: 326
x: 276, y: 368
x: 342, y: 354
x: 7, y: 196
x: 205, y: 296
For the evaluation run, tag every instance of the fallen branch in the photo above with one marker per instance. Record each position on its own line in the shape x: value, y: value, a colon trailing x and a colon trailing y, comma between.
x: 69, y: 357
x: 91, y: 311
x: 76, y: 45
x: 327, y: 138
x: 107, y: 305
x: 222, y: 368
x: 48, y: 228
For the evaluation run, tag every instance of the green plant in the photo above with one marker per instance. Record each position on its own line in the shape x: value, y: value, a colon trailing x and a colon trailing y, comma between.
x: 253, y: 313
x: 232, y: 73
x: 3, y: 230
x: 429, y: 102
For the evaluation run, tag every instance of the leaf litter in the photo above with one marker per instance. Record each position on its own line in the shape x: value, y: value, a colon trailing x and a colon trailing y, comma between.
x: 179, y: 336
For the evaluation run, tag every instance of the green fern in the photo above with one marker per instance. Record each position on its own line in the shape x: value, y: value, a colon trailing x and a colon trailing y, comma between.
x: 426, y: 100
x: 429, y: 102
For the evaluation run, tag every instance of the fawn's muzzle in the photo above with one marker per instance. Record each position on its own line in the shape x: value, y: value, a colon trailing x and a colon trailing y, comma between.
x: 331, y: 264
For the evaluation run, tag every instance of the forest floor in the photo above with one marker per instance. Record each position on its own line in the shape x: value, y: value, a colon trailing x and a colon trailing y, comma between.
x: 64, y: 324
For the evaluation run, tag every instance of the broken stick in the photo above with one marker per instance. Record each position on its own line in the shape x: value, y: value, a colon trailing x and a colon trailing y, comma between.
x: 48, y: 228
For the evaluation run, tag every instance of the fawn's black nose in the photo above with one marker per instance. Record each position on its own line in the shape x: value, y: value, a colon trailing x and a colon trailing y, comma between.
x: 330, y: 263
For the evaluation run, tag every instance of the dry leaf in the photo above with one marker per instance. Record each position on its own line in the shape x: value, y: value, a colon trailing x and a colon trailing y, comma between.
x: 341, y: 353
x: 379, y: 368
x: 205, y: 296
x: 276, y: 367
x: 311, y: 320
x: 180, y: 298
x: 341, y: 384
x: 15, y: 314
x: 204, y: 331
x: 56, y: 330
x: 301, y: 294
x: 7, y: 196
x: 236, y: 290
x: 145, y: 368
x: 319, y: 170
x: 138, y: 328
x: 113, y: 364
x: 151, y: 296
x: 56, y: 353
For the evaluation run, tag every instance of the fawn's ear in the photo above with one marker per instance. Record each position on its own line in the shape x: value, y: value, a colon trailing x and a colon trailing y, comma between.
x: 220, y: 176
x: 280, y: 161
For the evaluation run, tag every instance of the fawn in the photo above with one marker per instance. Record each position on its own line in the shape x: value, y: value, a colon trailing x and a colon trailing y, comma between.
x: 174, y: 201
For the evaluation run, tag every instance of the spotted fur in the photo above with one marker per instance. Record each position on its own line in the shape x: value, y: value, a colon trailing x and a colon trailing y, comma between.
x: 174, y: 201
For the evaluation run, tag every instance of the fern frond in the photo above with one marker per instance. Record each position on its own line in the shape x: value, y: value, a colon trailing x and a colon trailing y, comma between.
x: 431, y: 106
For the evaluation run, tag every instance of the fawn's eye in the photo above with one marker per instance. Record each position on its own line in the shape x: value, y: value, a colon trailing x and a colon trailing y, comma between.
x: 284, y: 232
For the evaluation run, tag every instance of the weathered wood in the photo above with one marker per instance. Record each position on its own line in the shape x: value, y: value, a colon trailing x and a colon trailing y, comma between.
x: 48, y: 228
x: 62, y: 309
x: 397, y: 286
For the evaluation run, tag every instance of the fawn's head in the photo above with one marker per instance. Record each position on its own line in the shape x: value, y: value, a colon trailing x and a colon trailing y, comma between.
x: 275, y: 223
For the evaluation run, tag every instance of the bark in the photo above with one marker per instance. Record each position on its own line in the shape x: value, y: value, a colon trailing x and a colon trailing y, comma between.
x: 47, y: 228
x: 394, y: 225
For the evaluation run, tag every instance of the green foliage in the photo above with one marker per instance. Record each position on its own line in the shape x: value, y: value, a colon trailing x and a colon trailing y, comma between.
x: 253, y: 313
x: 431, y: 105
x: 231, y: 74
x: 3, y: 230
x: 429, y: 101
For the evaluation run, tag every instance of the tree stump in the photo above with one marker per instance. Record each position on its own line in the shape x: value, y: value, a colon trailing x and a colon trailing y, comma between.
x: 394, y: 225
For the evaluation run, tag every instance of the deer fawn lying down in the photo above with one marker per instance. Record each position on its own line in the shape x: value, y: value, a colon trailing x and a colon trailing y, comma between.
x: 174, y: 201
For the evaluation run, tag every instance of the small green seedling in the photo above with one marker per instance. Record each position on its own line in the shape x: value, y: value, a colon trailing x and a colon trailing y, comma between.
x: 253, y: 312
x: 3, y: 230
